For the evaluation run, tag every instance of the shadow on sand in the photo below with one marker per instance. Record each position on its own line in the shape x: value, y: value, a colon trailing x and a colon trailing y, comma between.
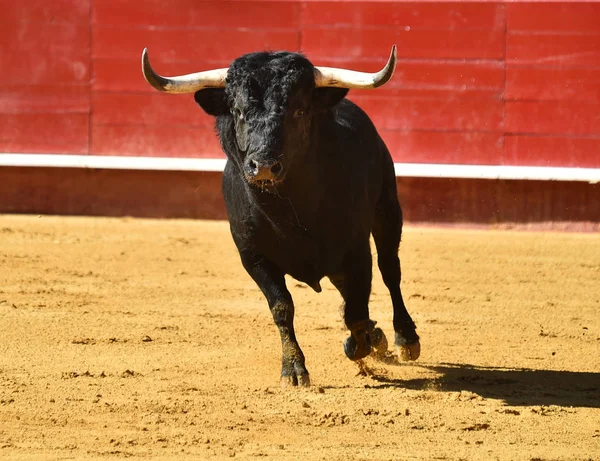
x: 513, y: 386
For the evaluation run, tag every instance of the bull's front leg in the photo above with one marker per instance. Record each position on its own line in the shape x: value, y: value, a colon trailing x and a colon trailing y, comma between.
x: 354, y: 284
x: 271, y: 280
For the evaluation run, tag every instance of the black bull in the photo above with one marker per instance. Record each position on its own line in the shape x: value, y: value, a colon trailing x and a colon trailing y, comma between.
x: 307, y: 181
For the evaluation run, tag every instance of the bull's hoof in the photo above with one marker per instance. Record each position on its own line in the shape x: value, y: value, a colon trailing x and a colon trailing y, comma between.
x: 379, y: 342
x: 408, y: 352
x: 354, y: 351
x: 302, y: 380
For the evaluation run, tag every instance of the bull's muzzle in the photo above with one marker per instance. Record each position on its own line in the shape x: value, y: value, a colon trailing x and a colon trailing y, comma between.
x: 263, y: 170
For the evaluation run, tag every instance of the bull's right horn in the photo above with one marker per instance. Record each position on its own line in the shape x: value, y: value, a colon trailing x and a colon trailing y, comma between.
x: 189, y: 83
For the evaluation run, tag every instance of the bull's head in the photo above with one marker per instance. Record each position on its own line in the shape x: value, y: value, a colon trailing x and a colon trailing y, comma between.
x: 265, y: 104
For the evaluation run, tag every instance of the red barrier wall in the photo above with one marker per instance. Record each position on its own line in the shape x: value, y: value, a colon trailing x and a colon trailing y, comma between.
x: 476, y: 83
x: 546, y: 205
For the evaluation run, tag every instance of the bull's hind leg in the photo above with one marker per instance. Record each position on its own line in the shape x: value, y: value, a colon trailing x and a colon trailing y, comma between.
x: 271, y: 280
x: 387, y: 230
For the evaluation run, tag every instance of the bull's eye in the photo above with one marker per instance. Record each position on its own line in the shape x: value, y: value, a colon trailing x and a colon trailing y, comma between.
x: 299, y: 113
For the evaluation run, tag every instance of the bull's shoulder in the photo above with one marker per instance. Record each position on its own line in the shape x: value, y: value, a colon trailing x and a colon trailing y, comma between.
x: 355, y: 128
x: 350, y: 114
x: 356, y: 133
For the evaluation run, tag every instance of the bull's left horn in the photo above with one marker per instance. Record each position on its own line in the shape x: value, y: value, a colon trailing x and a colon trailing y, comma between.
x: 189, y: 83
x: 344, y: 78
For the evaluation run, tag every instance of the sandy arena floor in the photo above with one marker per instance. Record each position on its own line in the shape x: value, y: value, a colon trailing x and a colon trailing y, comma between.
x: 125, y: 338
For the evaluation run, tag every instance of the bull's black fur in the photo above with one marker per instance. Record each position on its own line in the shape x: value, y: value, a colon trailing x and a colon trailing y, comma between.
x: 334, y: 185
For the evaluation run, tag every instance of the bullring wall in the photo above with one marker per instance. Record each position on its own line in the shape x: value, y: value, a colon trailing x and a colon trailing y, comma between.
x: 492, y: 84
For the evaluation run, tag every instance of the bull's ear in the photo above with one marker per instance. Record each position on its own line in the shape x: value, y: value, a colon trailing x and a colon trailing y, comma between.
x: 326, y: 98
x: 212, y: 101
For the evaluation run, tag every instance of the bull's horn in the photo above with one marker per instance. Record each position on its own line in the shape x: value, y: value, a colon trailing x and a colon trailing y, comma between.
x: 344, y: 78
x: 189, y: 83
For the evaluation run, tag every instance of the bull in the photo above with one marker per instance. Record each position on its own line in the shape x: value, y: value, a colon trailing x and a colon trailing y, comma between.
x: 308, y: 179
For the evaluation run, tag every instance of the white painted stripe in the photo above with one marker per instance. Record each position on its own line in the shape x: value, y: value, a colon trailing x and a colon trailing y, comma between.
x: 113, y: 162
x: 542, y: 173
x: 421, y: 170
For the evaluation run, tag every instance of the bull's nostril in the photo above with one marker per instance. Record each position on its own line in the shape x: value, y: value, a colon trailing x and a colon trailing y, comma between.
x: 277, y: 168
x: 253, y: 167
